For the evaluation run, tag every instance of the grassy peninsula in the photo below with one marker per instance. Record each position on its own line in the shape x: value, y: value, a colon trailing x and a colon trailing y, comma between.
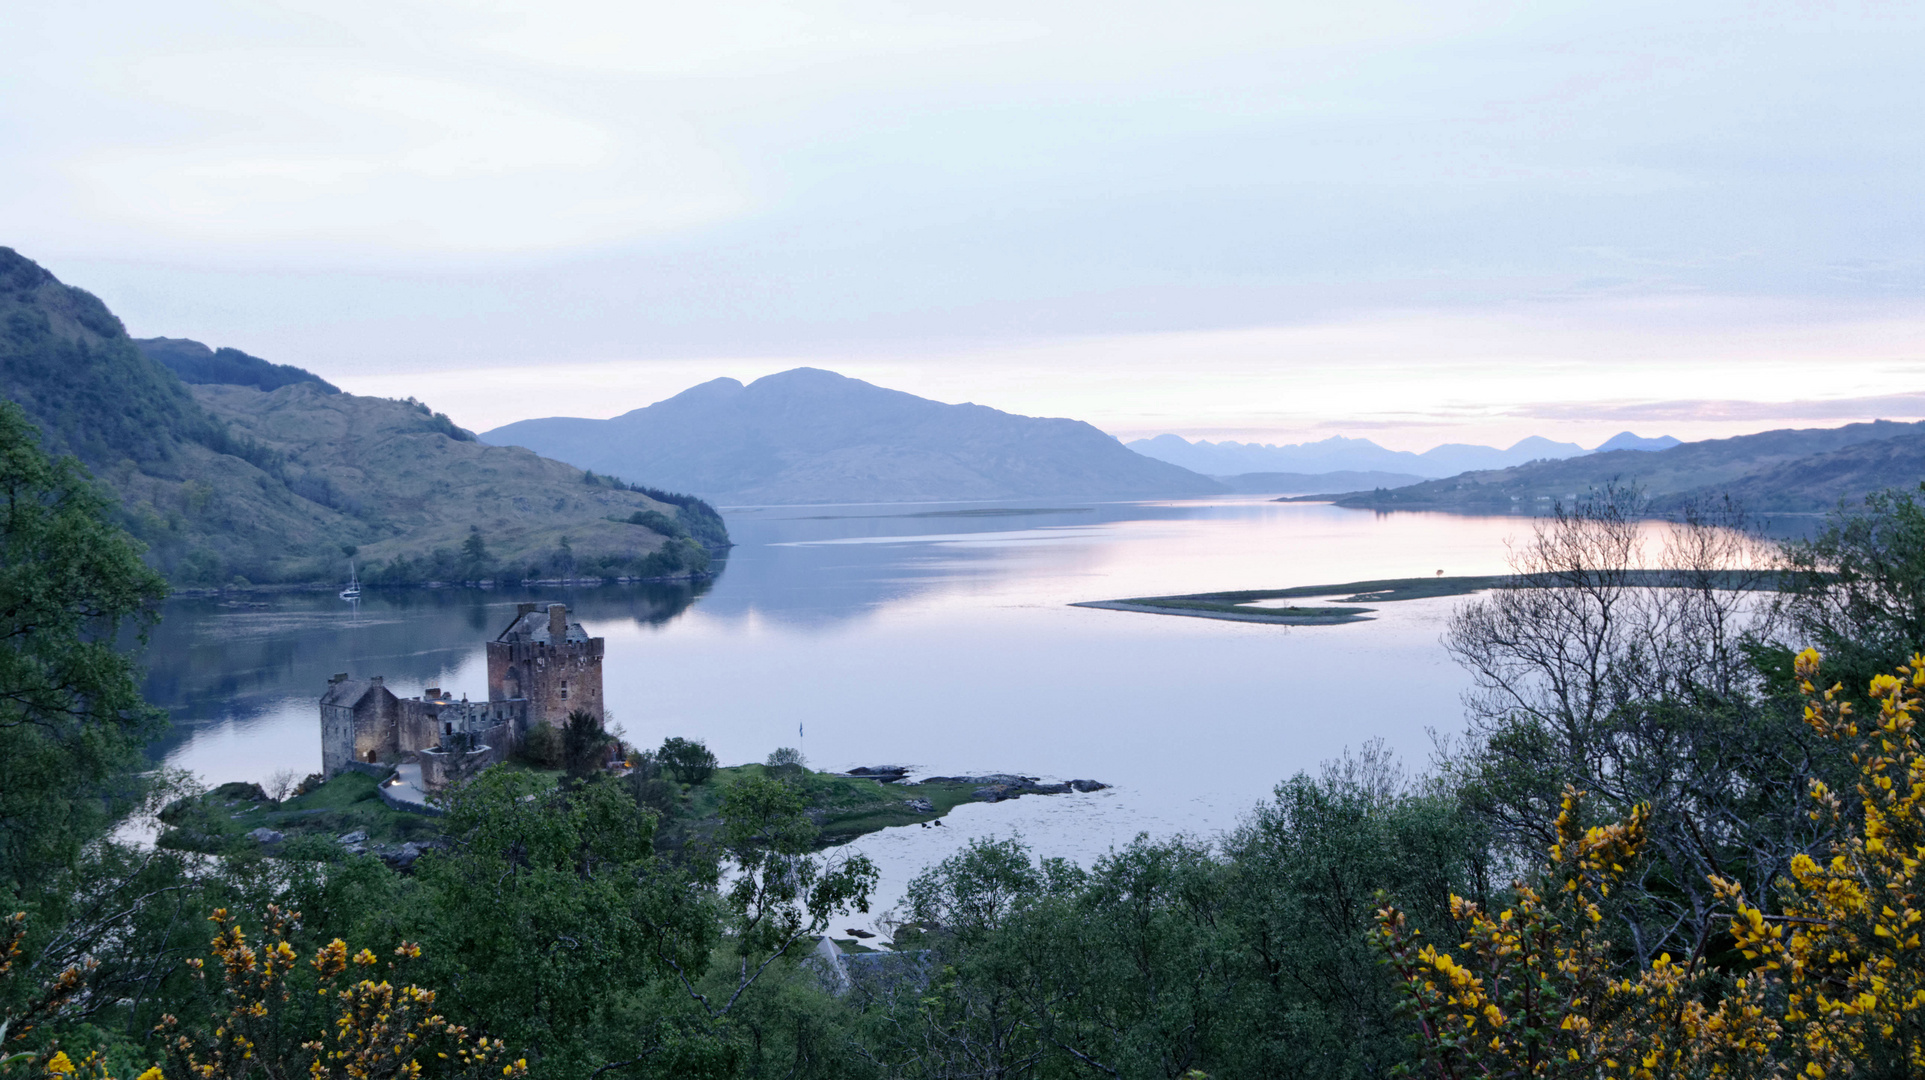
x: 312, y: 822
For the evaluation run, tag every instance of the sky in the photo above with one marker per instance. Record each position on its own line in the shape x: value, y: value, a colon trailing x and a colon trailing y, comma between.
x: 1277, y: 221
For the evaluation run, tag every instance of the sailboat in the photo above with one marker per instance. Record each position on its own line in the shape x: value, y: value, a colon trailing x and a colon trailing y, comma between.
x: 353, y: 591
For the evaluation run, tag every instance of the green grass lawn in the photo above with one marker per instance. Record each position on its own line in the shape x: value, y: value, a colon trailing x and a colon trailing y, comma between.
x: 220, y: 820
x: 845, y: 807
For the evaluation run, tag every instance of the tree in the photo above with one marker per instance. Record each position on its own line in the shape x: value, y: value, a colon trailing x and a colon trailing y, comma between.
x: 689, y: 759
x: 474, y: 555
x: 1856, y: 591
x: 1594, y: 668
x: 584, y: 744
x: 71, y: 716
x: 780, y: 892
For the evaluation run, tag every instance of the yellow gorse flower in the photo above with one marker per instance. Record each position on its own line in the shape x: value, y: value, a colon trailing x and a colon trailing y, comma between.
x: 1837, y: 975
x: 379, y: 1028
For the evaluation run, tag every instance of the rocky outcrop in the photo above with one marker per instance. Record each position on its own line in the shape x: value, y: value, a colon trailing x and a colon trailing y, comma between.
x: 997, y: 787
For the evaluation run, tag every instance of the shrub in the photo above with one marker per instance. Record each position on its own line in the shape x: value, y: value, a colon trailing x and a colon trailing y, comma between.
x: 688, y: 759
x: 584, y: 744
x: 542, y: 747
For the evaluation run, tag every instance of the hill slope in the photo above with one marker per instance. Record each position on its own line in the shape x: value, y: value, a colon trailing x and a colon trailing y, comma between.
x: 812, y: 436
x: 193, y: 362
x: 227, y: 481
x: 1786, y: 471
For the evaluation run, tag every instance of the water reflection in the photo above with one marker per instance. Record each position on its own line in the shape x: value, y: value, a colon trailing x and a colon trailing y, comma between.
x: 935, y: 636
x: 219, y: 662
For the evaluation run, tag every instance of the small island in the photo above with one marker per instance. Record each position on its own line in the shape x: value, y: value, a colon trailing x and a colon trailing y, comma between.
x: 1239, y: 606
x: 347, y: 816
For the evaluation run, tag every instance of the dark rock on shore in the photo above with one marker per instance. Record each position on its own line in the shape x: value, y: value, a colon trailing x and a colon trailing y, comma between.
x: 887, y: 774
x: 1000, y: 786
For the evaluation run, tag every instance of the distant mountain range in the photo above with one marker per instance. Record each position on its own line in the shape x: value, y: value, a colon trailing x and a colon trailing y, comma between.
x: 1787, y: 471
x: 813, y: 436
x: 1338, y: 453
x: 1277, y: 483
x: 266, y: 472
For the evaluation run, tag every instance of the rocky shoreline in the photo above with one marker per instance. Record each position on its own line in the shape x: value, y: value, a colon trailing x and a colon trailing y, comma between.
x: 992, y: 787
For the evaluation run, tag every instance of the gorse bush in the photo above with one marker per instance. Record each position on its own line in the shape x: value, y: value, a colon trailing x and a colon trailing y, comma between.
x: 338, y: 1015
x: 1830, y: 981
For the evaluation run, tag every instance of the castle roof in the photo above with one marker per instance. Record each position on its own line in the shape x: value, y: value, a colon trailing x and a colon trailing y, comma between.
x: 532, y: 627
x: 347, y: 693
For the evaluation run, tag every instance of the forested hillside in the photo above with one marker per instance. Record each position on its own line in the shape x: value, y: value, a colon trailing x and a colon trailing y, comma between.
x: 193, y: 362
x: 1789, y: 471
x: 226, y: 482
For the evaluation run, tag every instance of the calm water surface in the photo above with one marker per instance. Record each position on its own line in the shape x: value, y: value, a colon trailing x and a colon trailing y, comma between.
x: 935, y: 636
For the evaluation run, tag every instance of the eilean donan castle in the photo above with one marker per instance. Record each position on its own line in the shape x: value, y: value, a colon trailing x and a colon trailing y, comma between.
x: 541, y: 668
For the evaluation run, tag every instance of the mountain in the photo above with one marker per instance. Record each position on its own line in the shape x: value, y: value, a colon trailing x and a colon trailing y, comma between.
x: 813, y: 436
x: 1273, y: 483
x: 1625, y: 440
x: 1786, y: 471
x: 193, y: 362
x: 1338, y: 453
x: 224, y: 481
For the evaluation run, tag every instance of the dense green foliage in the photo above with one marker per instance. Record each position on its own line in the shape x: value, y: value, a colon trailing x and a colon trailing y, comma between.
x: 66, y: 360
x: 1244, y: 958
x: 689, y: 759
x: 71, y: 716
x: 1856, y: 591
x: 194, y: 362
x: 694, y: 517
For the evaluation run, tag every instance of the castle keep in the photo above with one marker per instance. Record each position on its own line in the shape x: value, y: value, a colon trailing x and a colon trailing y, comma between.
x: 541, y: 668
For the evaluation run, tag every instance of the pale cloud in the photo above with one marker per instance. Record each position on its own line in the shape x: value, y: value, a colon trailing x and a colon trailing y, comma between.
x: 1410, y: 379
x: 343, y: 160
x: 1271, y: 219
x: 1909, y: 406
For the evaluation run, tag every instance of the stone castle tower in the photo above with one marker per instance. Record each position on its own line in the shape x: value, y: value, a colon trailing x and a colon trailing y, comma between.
x: 547, y: 661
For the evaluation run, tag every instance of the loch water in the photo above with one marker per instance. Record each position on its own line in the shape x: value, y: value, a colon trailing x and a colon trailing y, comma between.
x: 936, y: 636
